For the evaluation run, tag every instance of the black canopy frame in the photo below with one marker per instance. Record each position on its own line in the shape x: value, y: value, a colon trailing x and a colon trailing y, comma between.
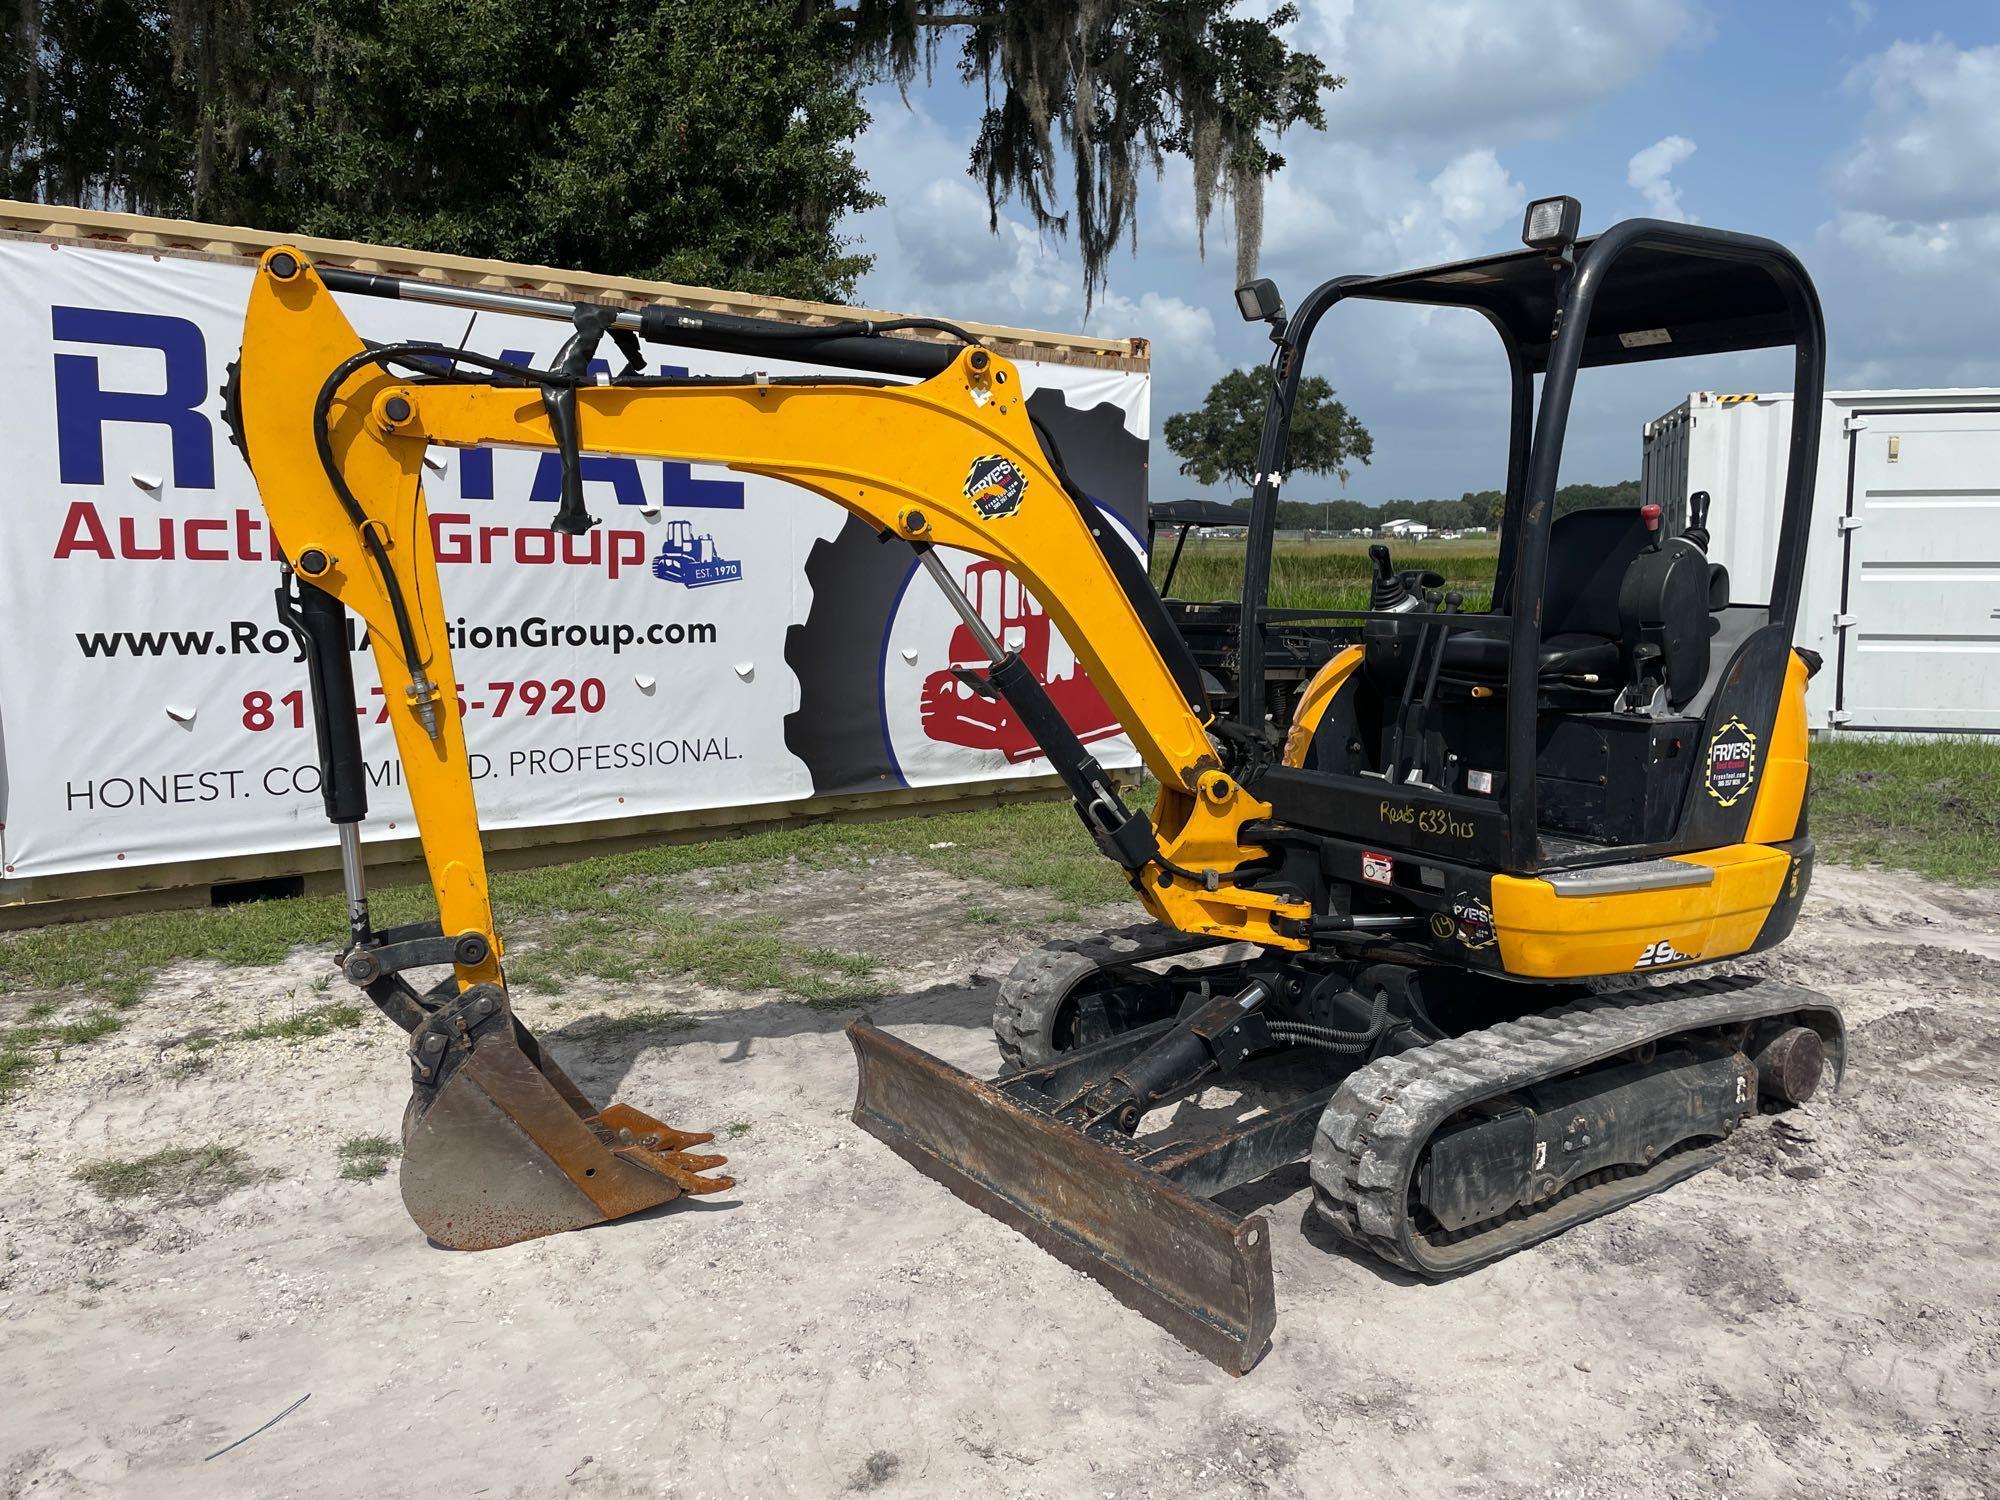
x: 1645, y: 289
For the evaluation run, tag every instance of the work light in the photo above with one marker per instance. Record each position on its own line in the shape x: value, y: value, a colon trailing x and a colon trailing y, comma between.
x: 1550, y: 225
x: 1259, y: 301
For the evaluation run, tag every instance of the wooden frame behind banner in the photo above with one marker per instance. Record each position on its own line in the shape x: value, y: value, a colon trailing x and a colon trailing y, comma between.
x: 184, y: 237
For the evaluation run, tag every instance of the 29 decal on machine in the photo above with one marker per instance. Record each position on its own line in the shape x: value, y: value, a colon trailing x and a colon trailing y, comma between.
x: 1661, y: 953
x: 995, y: 487
x: 1731, y: 769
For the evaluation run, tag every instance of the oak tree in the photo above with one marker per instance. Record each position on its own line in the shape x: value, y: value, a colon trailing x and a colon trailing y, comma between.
x: 1220, y: 440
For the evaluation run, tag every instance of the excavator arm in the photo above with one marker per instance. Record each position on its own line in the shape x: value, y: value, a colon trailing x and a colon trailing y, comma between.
x: 335, y: 432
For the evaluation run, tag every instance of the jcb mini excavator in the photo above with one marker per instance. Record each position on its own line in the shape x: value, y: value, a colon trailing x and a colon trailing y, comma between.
x: 1403, y: 927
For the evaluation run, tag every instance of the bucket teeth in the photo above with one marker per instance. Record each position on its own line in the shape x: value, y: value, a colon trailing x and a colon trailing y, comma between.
x: 630, y: 1125
x: 639, y: 1137
x: 499, y: 1146
x: 686, y: 1170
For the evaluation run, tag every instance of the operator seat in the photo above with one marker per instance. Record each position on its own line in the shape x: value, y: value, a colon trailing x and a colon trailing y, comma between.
x: 1582, y: 627
x: 1622, y: 608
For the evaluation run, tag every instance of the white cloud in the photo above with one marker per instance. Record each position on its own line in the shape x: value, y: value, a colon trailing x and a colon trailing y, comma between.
x: 1475, y: 192
x: 941, y: 227
x: 1918, y: 248
x: 934, y: 252
x: 1171, y: 324
x: 1905, y: 262
x: 1650, y: 171
x: 1448, y: 68
x: 1414, y: 169
x: 1930, y: 145
x: 1342, y: 205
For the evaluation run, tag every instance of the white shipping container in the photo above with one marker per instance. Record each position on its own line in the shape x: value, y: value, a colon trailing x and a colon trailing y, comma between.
x: 1902, y: 583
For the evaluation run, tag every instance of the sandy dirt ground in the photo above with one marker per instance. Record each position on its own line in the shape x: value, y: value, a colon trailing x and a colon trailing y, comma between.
x: 1819, y: 1315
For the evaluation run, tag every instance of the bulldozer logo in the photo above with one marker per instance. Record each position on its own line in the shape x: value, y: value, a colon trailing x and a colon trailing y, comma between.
x: 995, y: 487
x: 1732, y: 763
x: 690, y: 559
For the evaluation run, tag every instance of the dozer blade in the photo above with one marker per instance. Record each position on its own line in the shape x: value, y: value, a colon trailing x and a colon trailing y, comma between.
x: 1201, y: 1273
x: 500, y: 1146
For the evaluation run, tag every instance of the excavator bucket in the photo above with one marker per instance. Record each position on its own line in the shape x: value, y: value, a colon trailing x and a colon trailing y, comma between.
x: 500, y: 1146
x: 1201, y: 1273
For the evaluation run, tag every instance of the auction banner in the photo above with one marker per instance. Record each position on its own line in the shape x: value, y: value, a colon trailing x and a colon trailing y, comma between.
x: 721, y: 640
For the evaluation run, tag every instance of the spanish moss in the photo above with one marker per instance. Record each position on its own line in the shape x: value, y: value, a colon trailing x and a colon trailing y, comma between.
x: 691, y: 140
x: 1111, y: 87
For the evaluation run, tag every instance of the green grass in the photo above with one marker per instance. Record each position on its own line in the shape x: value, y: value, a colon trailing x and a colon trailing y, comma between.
x: 184, y: 1174
x: 363, y: 1158
x: 1929, y: 807
x: 617, y: 917
x: 1030, y: 846
x: 1326, y: 574
x: 99, y: 1023
x: 319, y: 1020
x: 621, y: 917
x: 26, y: 1044
x: 632, y: 933
x: 117, y: 958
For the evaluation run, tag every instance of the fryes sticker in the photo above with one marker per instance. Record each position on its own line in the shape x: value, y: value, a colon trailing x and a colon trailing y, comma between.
x: 1732, y: 763
x: 1473, y: 919
x: 995, y: 487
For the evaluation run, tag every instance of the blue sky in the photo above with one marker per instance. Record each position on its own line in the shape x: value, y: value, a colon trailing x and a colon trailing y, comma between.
x: 1864, y: 135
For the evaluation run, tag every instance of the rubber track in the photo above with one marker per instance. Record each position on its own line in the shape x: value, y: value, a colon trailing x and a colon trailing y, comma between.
x: 1038, y: 984
x: 1372, y: 1136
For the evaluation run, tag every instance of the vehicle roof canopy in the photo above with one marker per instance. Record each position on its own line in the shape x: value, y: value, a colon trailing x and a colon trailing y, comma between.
x: 1655, y: 303
x: 1197, y: 513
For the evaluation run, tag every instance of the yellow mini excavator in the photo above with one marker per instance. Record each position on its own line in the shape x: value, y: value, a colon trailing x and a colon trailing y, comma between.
x: 1410, y: 927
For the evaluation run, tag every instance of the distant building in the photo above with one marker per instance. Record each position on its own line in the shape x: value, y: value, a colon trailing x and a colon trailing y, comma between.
x: 1411, y: 529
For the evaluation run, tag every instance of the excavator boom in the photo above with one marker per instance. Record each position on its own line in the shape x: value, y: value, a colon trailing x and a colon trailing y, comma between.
x: 499, y: 1144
